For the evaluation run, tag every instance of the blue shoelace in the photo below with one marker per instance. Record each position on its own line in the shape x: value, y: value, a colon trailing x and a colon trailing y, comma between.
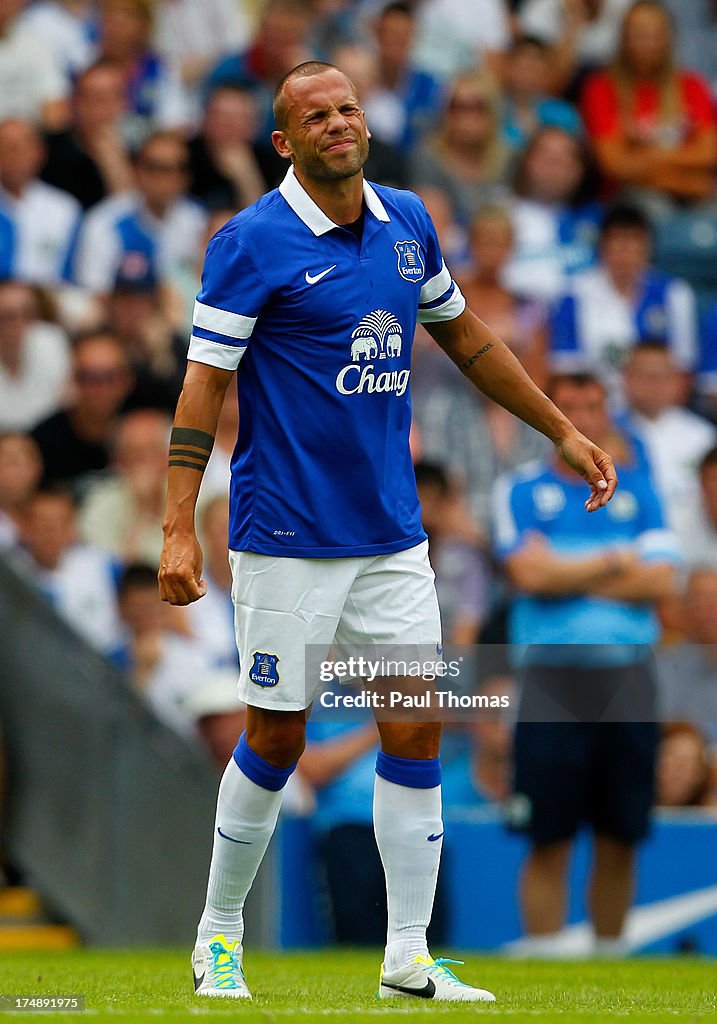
x: 440, y: 964
x: 224, y: 966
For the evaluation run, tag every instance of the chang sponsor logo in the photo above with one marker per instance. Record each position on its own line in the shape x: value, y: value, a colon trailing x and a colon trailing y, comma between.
x: 379, y: 336
x: 354, y: 380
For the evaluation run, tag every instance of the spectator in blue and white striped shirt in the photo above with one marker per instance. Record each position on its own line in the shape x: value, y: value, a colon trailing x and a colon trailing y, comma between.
x: 621, y: 303
x: 41, y: 222
x: 157, y: 227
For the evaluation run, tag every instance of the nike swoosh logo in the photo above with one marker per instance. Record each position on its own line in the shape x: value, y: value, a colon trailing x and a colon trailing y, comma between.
x: 427, y: 992
x: 244, y: 842
x: 433, y: 838
x: 198, y: 981
x: 313, y: 279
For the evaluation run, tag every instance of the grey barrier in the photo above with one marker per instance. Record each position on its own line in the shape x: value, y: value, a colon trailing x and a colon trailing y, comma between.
x: 107, y: 813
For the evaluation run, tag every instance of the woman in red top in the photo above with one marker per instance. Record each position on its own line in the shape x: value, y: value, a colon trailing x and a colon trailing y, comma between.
x: 653, y: 125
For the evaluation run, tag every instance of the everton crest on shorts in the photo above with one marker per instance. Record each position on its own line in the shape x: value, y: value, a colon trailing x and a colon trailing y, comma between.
x: 264, y: 671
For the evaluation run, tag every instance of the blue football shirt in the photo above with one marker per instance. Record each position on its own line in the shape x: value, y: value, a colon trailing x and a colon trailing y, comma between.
x: 541, y: 500
x: 320, y: 326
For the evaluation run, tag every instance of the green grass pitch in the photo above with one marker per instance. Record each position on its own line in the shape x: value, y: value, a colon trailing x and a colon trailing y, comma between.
x: 341, y: 986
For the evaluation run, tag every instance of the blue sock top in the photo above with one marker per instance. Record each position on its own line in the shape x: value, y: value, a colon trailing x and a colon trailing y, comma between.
x: 258, y: 770
x: 406, y: 772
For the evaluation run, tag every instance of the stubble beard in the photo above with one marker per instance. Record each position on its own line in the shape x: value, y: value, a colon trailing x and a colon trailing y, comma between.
x: 320, y: 168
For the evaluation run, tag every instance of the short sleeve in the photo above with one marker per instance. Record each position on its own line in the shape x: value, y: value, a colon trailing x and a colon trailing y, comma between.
x: 682, y: 314
x: 98, y: 251
x: 71, y: 244
x: 698, y: 100
x: 564, y: 341
x: 655, y: 543
x: 512, y: 515
x: 171, y: 109
x: 599, y: 107
x: 232, y: 296
x: 707, y: 366
x: 440, y: 298
x: 7, y: 245
x: 49, y: 82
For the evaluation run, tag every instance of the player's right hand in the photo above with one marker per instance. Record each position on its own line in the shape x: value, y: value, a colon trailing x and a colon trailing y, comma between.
x: 180, y: 570
x: 593, y: 465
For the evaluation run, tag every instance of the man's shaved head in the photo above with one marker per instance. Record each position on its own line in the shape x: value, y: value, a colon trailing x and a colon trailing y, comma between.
x: 321, y: 127
x: 306, y: 70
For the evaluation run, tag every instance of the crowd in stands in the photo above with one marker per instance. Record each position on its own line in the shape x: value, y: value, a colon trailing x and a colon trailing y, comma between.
x: 567, y: 152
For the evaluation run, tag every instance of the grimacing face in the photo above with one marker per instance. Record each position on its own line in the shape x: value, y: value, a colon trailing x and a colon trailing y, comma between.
x: 324, y: 133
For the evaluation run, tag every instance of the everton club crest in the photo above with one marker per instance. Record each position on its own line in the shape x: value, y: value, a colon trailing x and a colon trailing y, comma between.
x: 264, y: 671
x: 410, y: 261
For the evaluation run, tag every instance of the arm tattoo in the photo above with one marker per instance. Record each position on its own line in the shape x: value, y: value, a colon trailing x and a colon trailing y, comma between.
x: 199, y: 456
x: 195, y: 438
x: 476, y: 356
x: 187, y: 464
x: 196, y: 455
x: 189, y: 459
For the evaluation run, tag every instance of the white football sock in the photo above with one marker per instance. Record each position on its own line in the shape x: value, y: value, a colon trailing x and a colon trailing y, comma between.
x: 404, y: 819
x: 246, y: 813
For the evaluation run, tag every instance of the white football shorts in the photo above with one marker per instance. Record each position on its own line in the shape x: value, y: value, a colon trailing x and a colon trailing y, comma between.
x: 283, y: 605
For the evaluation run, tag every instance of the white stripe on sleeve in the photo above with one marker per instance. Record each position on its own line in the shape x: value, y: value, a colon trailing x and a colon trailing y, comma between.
x: 505, y: 528
x: 683, y: 323
x: 234, y: 325
x: 224, y: 357
x: 448, y: 311
x: 436, y: 286
x: 659, y: 545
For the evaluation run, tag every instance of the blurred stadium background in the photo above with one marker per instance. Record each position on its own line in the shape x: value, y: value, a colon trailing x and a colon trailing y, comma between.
x: 567, y: 151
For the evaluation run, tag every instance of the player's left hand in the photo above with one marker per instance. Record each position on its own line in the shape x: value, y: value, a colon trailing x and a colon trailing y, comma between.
x: 593, y: 465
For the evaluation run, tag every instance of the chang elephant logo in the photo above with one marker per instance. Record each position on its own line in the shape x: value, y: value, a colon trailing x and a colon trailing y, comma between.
x: 393, y: 345
x: 378, y: 336
x: 365, y: 347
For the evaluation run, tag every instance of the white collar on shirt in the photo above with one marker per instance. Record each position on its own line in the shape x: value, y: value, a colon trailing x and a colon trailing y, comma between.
x: 306, y: 209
